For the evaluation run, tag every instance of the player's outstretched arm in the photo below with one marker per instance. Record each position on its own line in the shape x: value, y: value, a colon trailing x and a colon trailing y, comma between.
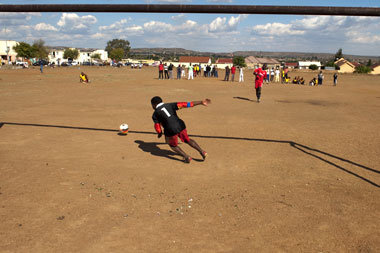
x: 204, y: 102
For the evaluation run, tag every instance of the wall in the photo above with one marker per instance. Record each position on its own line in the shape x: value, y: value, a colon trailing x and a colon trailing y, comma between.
x: 12, y: 54
x: 345, y: 68
x: 376, y: 71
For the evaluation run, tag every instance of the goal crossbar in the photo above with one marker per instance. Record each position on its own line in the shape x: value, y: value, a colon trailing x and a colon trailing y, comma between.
x: 190, y: 8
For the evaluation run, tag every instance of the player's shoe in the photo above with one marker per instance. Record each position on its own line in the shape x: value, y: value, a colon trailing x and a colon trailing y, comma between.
x: 188, y: 159
x: 204, y: 155
x: 258, y: 100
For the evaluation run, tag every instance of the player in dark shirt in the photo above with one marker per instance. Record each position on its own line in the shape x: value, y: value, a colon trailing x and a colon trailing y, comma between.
x: 166, y: 115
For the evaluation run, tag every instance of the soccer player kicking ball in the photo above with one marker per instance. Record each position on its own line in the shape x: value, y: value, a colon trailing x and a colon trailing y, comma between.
x: 174, y: 127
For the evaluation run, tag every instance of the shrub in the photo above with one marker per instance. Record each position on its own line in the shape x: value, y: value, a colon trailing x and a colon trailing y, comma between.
x: 313, y: 67
x: 361, y: 69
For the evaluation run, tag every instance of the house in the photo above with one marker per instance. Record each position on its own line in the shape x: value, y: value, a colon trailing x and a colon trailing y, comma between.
x: 376, y: 69
x: 56, y: 55
x: 255, y: 62
x: 307, y: 64
x: 186, y: 60
x: 85, y: 55
x: 222, y: 63
x: 345, y: 66
x: 7, y: 53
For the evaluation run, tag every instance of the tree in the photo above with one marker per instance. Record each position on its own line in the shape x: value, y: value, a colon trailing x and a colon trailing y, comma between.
x: 24, y: 50
x: 330, y: 64
x: 369, y: 63
x: 339, y: 54
x: 313, y: 67
x: 40, y: 51
x: 117, y: 54
x: 96, y: 56
x: 239, y: 61
x: 70, y: 53
x: 116, y: 43
x: 362, y: 69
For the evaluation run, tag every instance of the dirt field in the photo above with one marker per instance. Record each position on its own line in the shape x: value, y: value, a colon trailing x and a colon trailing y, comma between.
x: 299, y: 172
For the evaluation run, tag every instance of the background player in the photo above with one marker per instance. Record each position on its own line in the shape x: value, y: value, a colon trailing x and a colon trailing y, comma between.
x: 83, y: 78
x: 174, y: 127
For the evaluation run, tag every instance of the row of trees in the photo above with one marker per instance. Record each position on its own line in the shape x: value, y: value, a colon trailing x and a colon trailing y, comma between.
x: 117, y: 49
x: 36, y: 50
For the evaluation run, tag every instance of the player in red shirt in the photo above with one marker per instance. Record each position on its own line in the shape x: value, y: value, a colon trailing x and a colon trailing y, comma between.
x: 233, y: 71
x: 165, y: 115
x: 161, y: 71
x: 260, y: 75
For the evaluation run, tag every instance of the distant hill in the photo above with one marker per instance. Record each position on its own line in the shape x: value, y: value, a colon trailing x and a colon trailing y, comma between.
x: 281, y: 56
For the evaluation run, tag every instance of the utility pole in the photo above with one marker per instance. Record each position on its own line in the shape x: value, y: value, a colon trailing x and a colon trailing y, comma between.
x: 7, y: 49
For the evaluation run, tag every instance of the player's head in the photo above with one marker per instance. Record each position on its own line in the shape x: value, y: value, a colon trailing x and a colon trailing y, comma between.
x: 155, y: 101
x: 264, y: 66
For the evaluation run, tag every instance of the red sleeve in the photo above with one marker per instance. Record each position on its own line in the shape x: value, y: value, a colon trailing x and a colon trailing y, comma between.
x: 184, y: 104
x: 157, y: 127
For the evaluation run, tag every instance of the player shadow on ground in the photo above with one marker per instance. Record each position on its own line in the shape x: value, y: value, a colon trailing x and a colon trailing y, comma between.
x: 155, y: 150
x: 243, y: 98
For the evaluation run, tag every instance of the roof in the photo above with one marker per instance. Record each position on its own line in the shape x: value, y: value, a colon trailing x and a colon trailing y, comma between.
x: 356, y: 64
x: 340, y: 63
x: 257, y: 60
x: 224, y: 61
x: 194, y: 59
x: 343, y: 61
x: 86, y: 50
x: 291, y: 64
x: 340, y: 60
x: 376, y: 65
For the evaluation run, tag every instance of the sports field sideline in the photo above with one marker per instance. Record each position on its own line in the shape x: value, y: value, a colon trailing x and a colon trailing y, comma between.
x: 298, y: 172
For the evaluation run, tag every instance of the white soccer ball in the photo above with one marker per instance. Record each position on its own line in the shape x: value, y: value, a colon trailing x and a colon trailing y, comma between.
x: 123, y: 128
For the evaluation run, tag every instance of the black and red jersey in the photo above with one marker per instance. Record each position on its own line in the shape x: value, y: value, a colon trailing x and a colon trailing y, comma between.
x: 166, y: 115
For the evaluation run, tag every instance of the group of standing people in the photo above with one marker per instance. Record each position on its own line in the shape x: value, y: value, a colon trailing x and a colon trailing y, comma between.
x: 166, y: 71
x: 232, y: 70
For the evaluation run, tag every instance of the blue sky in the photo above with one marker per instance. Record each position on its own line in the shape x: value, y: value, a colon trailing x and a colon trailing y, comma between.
x: 203, y: 32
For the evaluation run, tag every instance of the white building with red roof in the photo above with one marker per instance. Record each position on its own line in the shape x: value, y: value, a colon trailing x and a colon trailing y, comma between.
x: 222, y: 63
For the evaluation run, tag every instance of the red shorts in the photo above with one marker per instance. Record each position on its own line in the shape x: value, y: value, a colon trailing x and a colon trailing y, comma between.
x: 173, y: 140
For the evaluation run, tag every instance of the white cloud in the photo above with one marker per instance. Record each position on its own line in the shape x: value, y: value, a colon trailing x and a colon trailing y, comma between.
x: 44, y: 27
x: 363, y: 37
x: 221, y: 25
x: 218, y: 24
x: 72, y: 22
x: 158, y: 27
x: 98, y: 36
x: 276, y: 29
x: 117, y: 25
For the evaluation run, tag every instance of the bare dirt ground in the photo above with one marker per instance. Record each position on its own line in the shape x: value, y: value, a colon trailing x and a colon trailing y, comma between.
x: 299, y: 172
